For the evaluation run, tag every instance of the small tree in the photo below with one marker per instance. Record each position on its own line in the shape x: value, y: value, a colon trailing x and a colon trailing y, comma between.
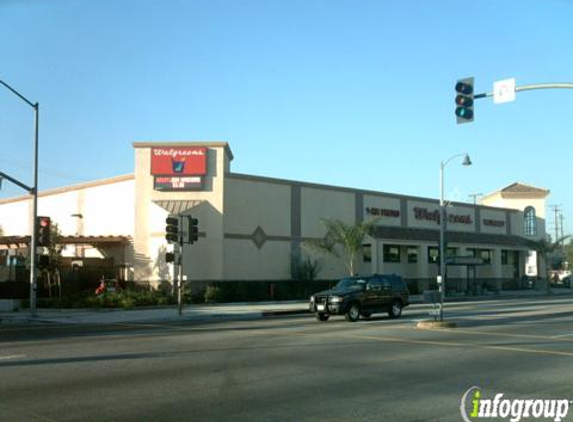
x: 52, y: 271
x: 343, y: 241
x: 544, y: 248
x: 305, y: 269
x: 569, y: 254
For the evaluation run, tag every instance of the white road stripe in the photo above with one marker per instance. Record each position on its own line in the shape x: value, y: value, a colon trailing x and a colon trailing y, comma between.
x: 563, y: 335
x: 9, y: 357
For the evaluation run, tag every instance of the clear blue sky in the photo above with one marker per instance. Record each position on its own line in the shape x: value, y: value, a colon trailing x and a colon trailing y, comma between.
x: 354, y: 93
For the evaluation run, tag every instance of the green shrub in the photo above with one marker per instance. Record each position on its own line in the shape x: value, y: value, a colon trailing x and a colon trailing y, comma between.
x: 213, y: 294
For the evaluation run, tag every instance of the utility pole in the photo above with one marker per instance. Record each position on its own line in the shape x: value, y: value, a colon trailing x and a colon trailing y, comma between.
x: 556, y: 211
x: 475, y: 196
x: 561, y: 218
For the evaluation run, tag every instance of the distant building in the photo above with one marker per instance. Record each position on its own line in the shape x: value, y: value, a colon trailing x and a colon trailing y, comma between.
x: 252, y: 228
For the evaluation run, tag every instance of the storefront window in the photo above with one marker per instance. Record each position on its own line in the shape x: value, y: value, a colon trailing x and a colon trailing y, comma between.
x: 367, y: 252
x: 391, y: 253
x: 485, y: 255
x: 412, y: 254
x: 451, y: 251
x: 433, y: 254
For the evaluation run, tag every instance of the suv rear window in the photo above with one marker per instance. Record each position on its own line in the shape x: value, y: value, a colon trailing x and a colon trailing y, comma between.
x: 350, y: 283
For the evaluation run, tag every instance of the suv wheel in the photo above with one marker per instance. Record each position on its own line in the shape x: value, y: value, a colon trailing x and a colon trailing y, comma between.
x: 353, y: 313
x: 322, y: 317
x: 396, y: 309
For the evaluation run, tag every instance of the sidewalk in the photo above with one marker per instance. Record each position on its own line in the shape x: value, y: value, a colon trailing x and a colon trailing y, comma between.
x: 201, y: 312
x: 218, y: 312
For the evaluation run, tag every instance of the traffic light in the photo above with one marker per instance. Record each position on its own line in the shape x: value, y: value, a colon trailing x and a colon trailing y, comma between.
x: 169, y: 257
x: 172, y: 229
x: 465, y: 100
x: 44, y: 227
x: 193, y: 229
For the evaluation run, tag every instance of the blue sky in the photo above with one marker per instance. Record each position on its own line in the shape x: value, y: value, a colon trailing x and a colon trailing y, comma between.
x: 353, y: 93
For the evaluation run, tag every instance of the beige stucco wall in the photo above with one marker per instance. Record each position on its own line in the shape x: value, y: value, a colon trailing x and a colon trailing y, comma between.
x: 244, y: 261
x: 386, y: 210
x: 202, y: 260
x: 91, y: 209
x: 516, y: 203
x: 520, y: 204
x: 497, y: 221
x: 249, y: 204
x: 15, y: 217
x: 317, y: 204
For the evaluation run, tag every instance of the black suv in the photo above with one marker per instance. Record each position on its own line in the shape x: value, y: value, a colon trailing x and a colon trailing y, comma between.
x: 361, y: 296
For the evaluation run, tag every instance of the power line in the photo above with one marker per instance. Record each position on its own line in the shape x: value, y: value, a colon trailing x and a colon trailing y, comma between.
x: 14, y: 163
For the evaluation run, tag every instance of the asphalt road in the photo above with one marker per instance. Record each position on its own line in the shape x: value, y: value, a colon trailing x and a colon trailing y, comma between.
x: 288, y: 368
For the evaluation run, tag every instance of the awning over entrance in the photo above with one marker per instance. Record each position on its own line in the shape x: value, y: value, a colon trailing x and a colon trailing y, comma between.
x: 177, y: 206
x: 21, y: 242
x: 464, y: 260
x: 401, y: 233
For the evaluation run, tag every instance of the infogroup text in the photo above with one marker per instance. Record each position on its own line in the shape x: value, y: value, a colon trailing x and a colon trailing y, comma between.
x: 474, y: 407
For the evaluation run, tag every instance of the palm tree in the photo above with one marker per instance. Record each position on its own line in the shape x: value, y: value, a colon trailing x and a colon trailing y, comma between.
x: 343, y: 241
x: 544, y: 248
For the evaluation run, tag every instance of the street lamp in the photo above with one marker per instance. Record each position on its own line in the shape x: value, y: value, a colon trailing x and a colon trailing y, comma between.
x: 443, y: 221
x: 33, y: 190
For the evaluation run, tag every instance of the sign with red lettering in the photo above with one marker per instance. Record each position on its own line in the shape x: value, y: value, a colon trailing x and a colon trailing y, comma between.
x: 382, y: 212
x: 174, y: 184
x: 493, y: 223
x: 184, y: 161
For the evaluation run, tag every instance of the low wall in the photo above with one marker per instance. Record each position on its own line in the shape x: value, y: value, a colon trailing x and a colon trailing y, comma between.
x: 9, y: 305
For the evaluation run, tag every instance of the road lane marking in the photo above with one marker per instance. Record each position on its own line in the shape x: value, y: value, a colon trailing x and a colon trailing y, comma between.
x: 473, y: 345
x: 10, y: 357
x: 562, y: 336
x: 423, y: 342
x: 486, y: 333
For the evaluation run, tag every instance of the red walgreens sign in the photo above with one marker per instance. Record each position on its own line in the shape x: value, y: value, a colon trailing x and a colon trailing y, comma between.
x: 179, y: 161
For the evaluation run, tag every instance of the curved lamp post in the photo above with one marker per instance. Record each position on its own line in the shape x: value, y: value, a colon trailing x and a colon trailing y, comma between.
x: 33, y: 190
x: 443, y: 222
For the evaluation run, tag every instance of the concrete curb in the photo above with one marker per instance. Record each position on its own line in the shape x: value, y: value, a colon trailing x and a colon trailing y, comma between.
x: 273, y: 313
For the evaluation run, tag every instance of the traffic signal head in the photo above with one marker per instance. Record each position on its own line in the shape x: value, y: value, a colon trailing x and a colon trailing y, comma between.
x: 193, y: 229
x: 169, y: 257
x: 465, y: 100
x: 172, y: 229
x: 44, y: 227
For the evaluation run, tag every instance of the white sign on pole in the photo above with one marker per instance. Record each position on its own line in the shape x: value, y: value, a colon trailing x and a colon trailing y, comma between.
x: 504, y: 91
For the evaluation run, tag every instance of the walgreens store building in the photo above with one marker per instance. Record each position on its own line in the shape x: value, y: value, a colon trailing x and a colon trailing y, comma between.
x: 254, y: 228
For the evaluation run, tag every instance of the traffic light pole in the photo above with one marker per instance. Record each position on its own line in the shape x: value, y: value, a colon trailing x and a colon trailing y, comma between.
x: 558, y: 85
x: 176, y: 236
x: 180, y: 286
x: 34, y: 192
